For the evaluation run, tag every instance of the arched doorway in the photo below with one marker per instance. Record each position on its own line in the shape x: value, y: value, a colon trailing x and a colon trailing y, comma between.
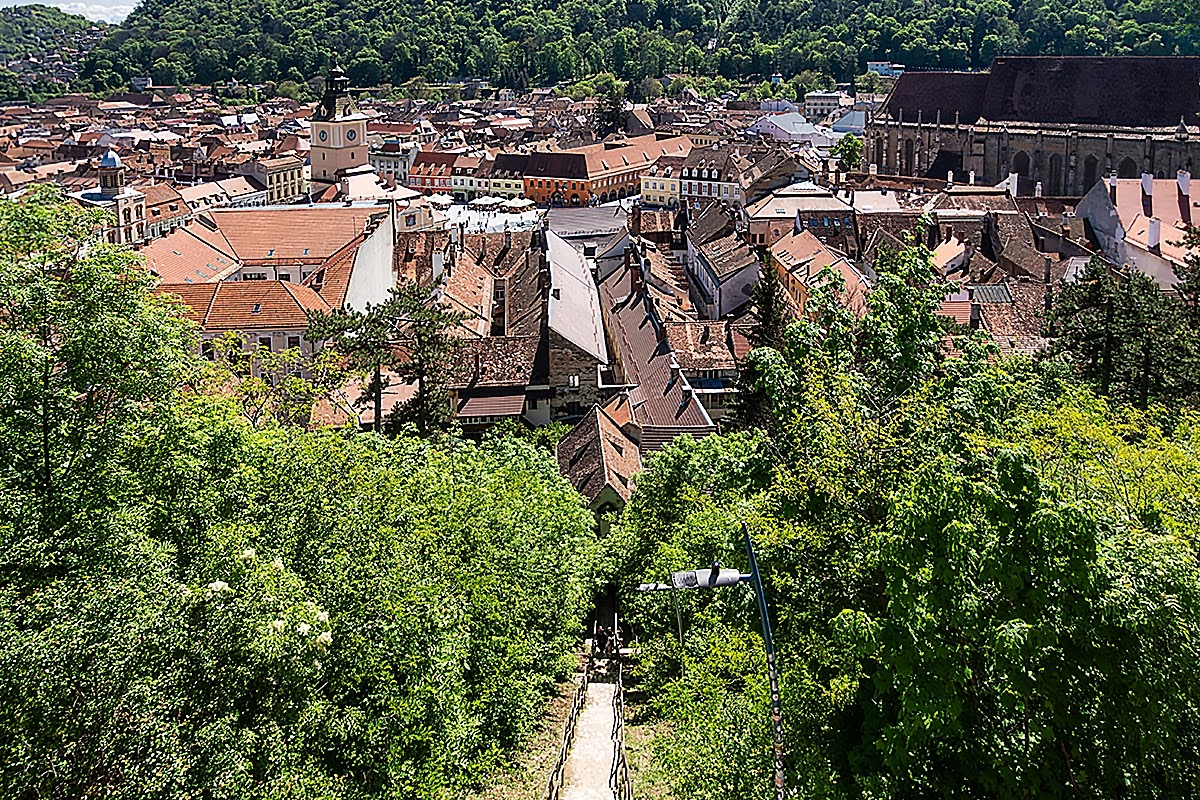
x: 1020, y: 164
x: 575, y: 199
x: 621, y: 194
x: 1054, y: 179
x: 1091, y: 173
x: 1128, y: 168
x: 603, y: 197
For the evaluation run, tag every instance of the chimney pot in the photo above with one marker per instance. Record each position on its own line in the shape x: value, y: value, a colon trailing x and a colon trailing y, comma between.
x: 1154, y: 234
x: 1184, y: 179
x: 1147, y: 184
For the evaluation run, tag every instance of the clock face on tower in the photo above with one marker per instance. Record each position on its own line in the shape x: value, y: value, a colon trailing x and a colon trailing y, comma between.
x: 350, y: 135
x: 323, y: 136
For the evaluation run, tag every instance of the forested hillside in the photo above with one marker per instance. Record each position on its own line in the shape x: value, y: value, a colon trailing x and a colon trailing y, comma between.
x: 983, y: 576
x: 537, y: 42
x: 36, y: 28
x: 193, y: 606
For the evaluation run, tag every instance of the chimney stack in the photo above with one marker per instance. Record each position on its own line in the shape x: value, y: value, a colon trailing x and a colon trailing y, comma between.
x: 971, y: 178
x: 1013, y: 183
x: 1112, y: 188
x: 1037, y: 189
x: 1154, y: 233
x: 1184, y: 179
x: 950, y: 179
x: 1046, y: 270
x: 1147, y: 184
x: 637, y: 278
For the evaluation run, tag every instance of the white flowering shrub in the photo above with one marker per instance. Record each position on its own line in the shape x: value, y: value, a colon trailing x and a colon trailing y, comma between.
x: 192, y: 607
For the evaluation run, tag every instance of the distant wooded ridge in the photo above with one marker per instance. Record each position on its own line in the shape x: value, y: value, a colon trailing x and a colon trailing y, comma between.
x: 535, y: 42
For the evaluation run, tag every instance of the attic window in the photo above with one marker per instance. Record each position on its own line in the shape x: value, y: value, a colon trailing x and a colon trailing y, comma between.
x: 305, y: 251
x: 271, y: 252
x: 257, y: 308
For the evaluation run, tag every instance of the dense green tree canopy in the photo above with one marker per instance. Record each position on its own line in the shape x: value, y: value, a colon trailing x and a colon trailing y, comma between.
x: 983, y: 577
x: 529, y: 42
x: 192, y: 605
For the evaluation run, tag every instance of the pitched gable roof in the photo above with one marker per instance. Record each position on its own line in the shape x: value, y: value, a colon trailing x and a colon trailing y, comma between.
x: 597, y: 453
x: 247, y: 305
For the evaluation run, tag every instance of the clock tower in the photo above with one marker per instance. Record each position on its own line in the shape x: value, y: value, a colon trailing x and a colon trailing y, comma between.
x: 339, y: 133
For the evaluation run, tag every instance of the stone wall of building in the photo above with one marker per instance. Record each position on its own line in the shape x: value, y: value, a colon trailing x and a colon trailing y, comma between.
x: 1066, y: 161
x: 570, y: 400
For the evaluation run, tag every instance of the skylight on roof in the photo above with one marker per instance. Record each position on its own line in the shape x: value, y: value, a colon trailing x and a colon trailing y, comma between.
x: 271, y: 252
x: 257, y: 308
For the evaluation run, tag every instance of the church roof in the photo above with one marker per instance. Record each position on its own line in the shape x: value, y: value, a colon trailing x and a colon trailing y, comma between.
x: 931, y: 92
x: 1133, y: 92
x: 1136, y: 91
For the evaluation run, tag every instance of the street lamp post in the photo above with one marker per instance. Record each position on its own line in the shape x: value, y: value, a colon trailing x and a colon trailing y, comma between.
x: 713, y: 578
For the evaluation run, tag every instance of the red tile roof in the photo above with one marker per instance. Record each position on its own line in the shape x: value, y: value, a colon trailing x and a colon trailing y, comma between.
x: 661, y: 402
x: 597, y: 453
x: 247, y: 305
x: 308, y: 235
x: 190, y: 255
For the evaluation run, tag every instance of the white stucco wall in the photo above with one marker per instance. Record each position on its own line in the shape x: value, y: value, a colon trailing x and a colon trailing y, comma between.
x: 372, y: 279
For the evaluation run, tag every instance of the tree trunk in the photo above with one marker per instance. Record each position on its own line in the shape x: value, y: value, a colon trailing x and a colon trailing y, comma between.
x: 1106, y: 354
x: 1144, y: 389
x: 378, y: 398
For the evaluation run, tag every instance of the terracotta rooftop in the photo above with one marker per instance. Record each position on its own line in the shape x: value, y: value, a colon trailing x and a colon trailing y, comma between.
x: 247, y: 305
x: 298, y: 234
x: 660, y: 403
x: 597, y: 453
x: 702, y: 345
x: 496, y: 361
x: 185, y: 256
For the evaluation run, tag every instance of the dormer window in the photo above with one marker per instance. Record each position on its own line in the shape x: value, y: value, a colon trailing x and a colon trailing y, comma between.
x: 257, y: 309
